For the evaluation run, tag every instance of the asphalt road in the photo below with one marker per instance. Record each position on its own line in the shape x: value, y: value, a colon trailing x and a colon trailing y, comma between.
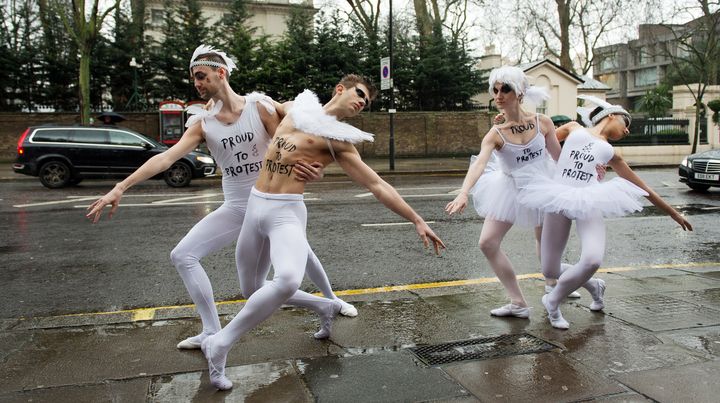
x: 55, y: 262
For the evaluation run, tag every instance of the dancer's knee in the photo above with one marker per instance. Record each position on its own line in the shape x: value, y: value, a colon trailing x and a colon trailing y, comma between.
x: 286, y: 286
x: 181, y: 259
x: 489, y: 245
x: 591, y: 262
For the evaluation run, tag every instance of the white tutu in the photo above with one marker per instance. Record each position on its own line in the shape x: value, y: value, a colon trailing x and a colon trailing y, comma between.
x: 613, y: 198
x: 495, y: 195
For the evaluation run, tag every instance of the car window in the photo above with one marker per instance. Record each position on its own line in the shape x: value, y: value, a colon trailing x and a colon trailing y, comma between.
x: 91, y: 136
x: 52, y: 135
x: 125, y: 139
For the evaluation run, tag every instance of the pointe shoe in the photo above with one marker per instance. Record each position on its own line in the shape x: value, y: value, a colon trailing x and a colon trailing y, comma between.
x: 217, y: 375
x: 599, y: 301
x: 574, y: 294
x: 194, y: 342
x: 326, y: 320
x: 556, y: 319
x: 512, y: 310
x: 347, y: 309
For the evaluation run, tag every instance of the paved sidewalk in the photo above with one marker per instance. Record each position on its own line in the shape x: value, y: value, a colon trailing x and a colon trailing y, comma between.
x: 657, y: 340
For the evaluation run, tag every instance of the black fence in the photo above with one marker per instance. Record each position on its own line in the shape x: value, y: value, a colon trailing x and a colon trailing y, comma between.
x: 661, y: 131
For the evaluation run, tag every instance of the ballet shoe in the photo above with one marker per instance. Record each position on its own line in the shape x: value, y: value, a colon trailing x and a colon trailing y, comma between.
x: 555, y: 316
x: 599, y: 300
x: 512, y: 310
x: 346, y: 309
x: 326, y: 320
x: 217, y: 375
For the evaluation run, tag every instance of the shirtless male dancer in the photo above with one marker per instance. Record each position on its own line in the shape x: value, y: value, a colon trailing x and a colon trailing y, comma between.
x: 237, y: 131
x: 276, y: 216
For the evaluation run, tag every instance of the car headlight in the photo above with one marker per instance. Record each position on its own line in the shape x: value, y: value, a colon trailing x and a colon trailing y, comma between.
x: 205, y: 160
x: 686, y: 163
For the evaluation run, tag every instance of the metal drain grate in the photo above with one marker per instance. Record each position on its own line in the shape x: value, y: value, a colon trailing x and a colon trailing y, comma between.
x: 481, y: 349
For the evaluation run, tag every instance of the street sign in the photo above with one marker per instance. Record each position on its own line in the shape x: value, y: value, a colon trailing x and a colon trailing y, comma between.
x: 385, y: 77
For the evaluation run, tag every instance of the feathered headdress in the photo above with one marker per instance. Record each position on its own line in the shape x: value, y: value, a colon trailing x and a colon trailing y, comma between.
x: 607, y: 109
x: 229, y: 65
x: 517, y: 80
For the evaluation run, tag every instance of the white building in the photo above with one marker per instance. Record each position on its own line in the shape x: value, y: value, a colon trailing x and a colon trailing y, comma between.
x: 268, y: 16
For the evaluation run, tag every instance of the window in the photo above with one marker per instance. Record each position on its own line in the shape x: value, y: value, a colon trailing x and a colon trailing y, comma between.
x: 609, y: 79
x: 608, y: 63
x: 89, y: 136
x: 125, y: 139
x: 51, y: 135
x: 646, y: 54
x: 542, y: 108
x: 646, y: 77
x: 157, y: 17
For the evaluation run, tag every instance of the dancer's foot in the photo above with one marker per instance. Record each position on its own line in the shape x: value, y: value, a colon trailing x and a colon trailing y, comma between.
x: 326, y: 319
x: 216, y: 365
x: 556, y: 319
x: 512, y: 310
x: 574, y: 294
x: 194, y: 342
x: 347, y: 309
x: 598, y: 296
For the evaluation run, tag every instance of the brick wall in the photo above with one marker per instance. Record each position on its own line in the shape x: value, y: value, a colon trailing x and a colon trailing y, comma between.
x: 417, y: 134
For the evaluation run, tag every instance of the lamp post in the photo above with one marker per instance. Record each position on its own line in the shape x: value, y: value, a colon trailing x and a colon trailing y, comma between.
x: 135, y: 97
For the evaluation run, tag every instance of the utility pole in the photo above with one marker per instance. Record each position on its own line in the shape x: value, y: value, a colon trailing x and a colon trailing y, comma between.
x: 391, y: 110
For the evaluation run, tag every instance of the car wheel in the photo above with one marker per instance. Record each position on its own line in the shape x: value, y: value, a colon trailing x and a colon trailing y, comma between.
x: 698, y: 187
x: 178, y: 175
x: 55, y: 174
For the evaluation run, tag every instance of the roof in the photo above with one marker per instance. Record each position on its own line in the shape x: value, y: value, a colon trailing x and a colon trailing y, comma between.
x: 529, y: 66
x: 590, y: 83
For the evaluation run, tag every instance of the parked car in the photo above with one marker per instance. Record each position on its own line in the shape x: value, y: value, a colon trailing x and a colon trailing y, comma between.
x: 65, y: 155
x: 700, y: 171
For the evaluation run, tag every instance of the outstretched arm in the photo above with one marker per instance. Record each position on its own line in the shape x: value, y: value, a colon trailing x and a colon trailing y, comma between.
x: 155, y: 165
x: 619, y: 165
x: 489, y: 143
x: 349, y: 159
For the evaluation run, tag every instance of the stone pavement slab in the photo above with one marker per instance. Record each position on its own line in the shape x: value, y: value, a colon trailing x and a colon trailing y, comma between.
x: 688, y: 384
x: 545, y: 377
x: 134, y: 390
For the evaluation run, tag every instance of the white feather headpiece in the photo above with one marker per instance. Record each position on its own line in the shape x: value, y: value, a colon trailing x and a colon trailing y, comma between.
x: 309, y: 116
x: 229, y: 64
x: 516, y: 78
x: 607, y: 109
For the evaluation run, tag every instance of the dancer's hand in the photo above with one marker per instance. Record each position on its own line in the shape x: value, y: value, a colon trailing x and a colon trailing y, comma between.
x: 305, y: 172
x: 427, y: 235
x: 685, y: 224
x: 458, y: 205
x: 112, y: 198
x: 601, y: 171
x: 499, y: 119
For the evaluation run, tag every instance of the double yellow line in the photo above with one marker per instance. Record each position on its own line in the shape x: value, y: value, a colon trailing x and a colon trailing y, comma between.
x: 141, y: 314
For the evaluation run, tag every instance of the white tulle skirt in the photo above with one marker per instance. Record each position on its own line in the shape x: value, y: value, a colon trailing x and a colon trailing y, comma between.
x: 495, y: 195
x: 616, y: 197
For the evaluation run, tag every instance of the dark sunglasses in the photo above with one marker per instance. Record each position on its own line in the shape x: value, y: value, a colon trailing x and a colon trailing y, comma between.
x: 626, y: 120
x: 505, y: 89
x: 362, y: 95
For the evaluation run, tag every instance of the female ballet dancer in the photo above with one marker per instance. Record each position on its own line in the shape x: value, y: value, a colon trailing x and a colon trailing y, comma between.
x: 574, y: 193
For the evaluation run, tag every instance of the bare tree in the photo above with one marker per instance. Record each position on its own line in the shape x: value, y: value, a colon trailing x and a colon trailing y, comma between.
x: 452, y: 15
x: 84, y: 28
x: 694, y: 54
x: 368, y: 14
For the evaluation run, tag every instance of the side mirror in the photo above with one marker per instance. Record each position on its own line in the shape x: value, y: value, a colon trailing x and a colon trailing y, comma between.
x: 148, y: 146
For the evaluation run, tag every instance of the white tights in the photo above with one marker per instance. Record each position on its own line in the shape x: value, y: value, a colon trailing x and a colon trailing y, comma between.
x: 555, y: 233
x: 216, y: 231
x: 491, y: 237
x: 273, y: 232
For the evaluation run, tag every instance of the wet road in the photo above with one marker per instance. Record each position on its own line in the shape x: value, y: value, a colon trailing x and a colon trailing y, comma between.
x: 55, y: 262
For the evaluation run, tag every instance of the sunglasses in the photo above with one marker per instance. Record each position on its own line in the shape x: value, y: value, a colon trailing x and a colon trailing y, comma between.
x: 505, y: 89
x: 626, y: 120
x: 362, y: 95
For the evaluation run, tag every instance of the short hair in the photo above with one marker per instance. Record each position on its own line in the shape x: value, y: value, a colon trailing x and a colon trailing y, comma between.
x: 351, y: 80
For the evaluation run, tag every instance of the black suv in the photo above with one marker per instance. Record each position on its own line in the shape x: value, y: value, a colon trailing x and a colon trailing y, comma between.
x: 65, y: 155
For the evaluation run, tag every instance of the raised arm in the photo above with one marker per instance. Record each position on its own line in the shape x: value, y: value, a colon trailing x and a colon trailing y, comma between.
x: 619, y: 165
x: 349, y: 159
x: 489, y: 143
x: 155, y: 165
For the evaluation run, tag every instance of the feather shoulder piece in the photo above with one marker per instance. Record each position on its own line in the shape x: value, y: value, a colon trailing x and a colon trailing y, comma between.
x: 262, y: 99
x: 199, y: 113
x: 310, y: 117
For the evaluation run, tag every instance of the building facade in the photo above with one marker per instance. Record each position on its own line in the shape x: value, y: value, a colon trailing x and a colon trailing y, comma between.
x: 268, y: 16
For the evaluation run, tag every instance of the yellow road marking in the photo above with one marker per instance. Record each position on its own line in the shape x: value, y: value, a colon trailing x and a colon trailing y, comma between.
x: 140, y: 314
